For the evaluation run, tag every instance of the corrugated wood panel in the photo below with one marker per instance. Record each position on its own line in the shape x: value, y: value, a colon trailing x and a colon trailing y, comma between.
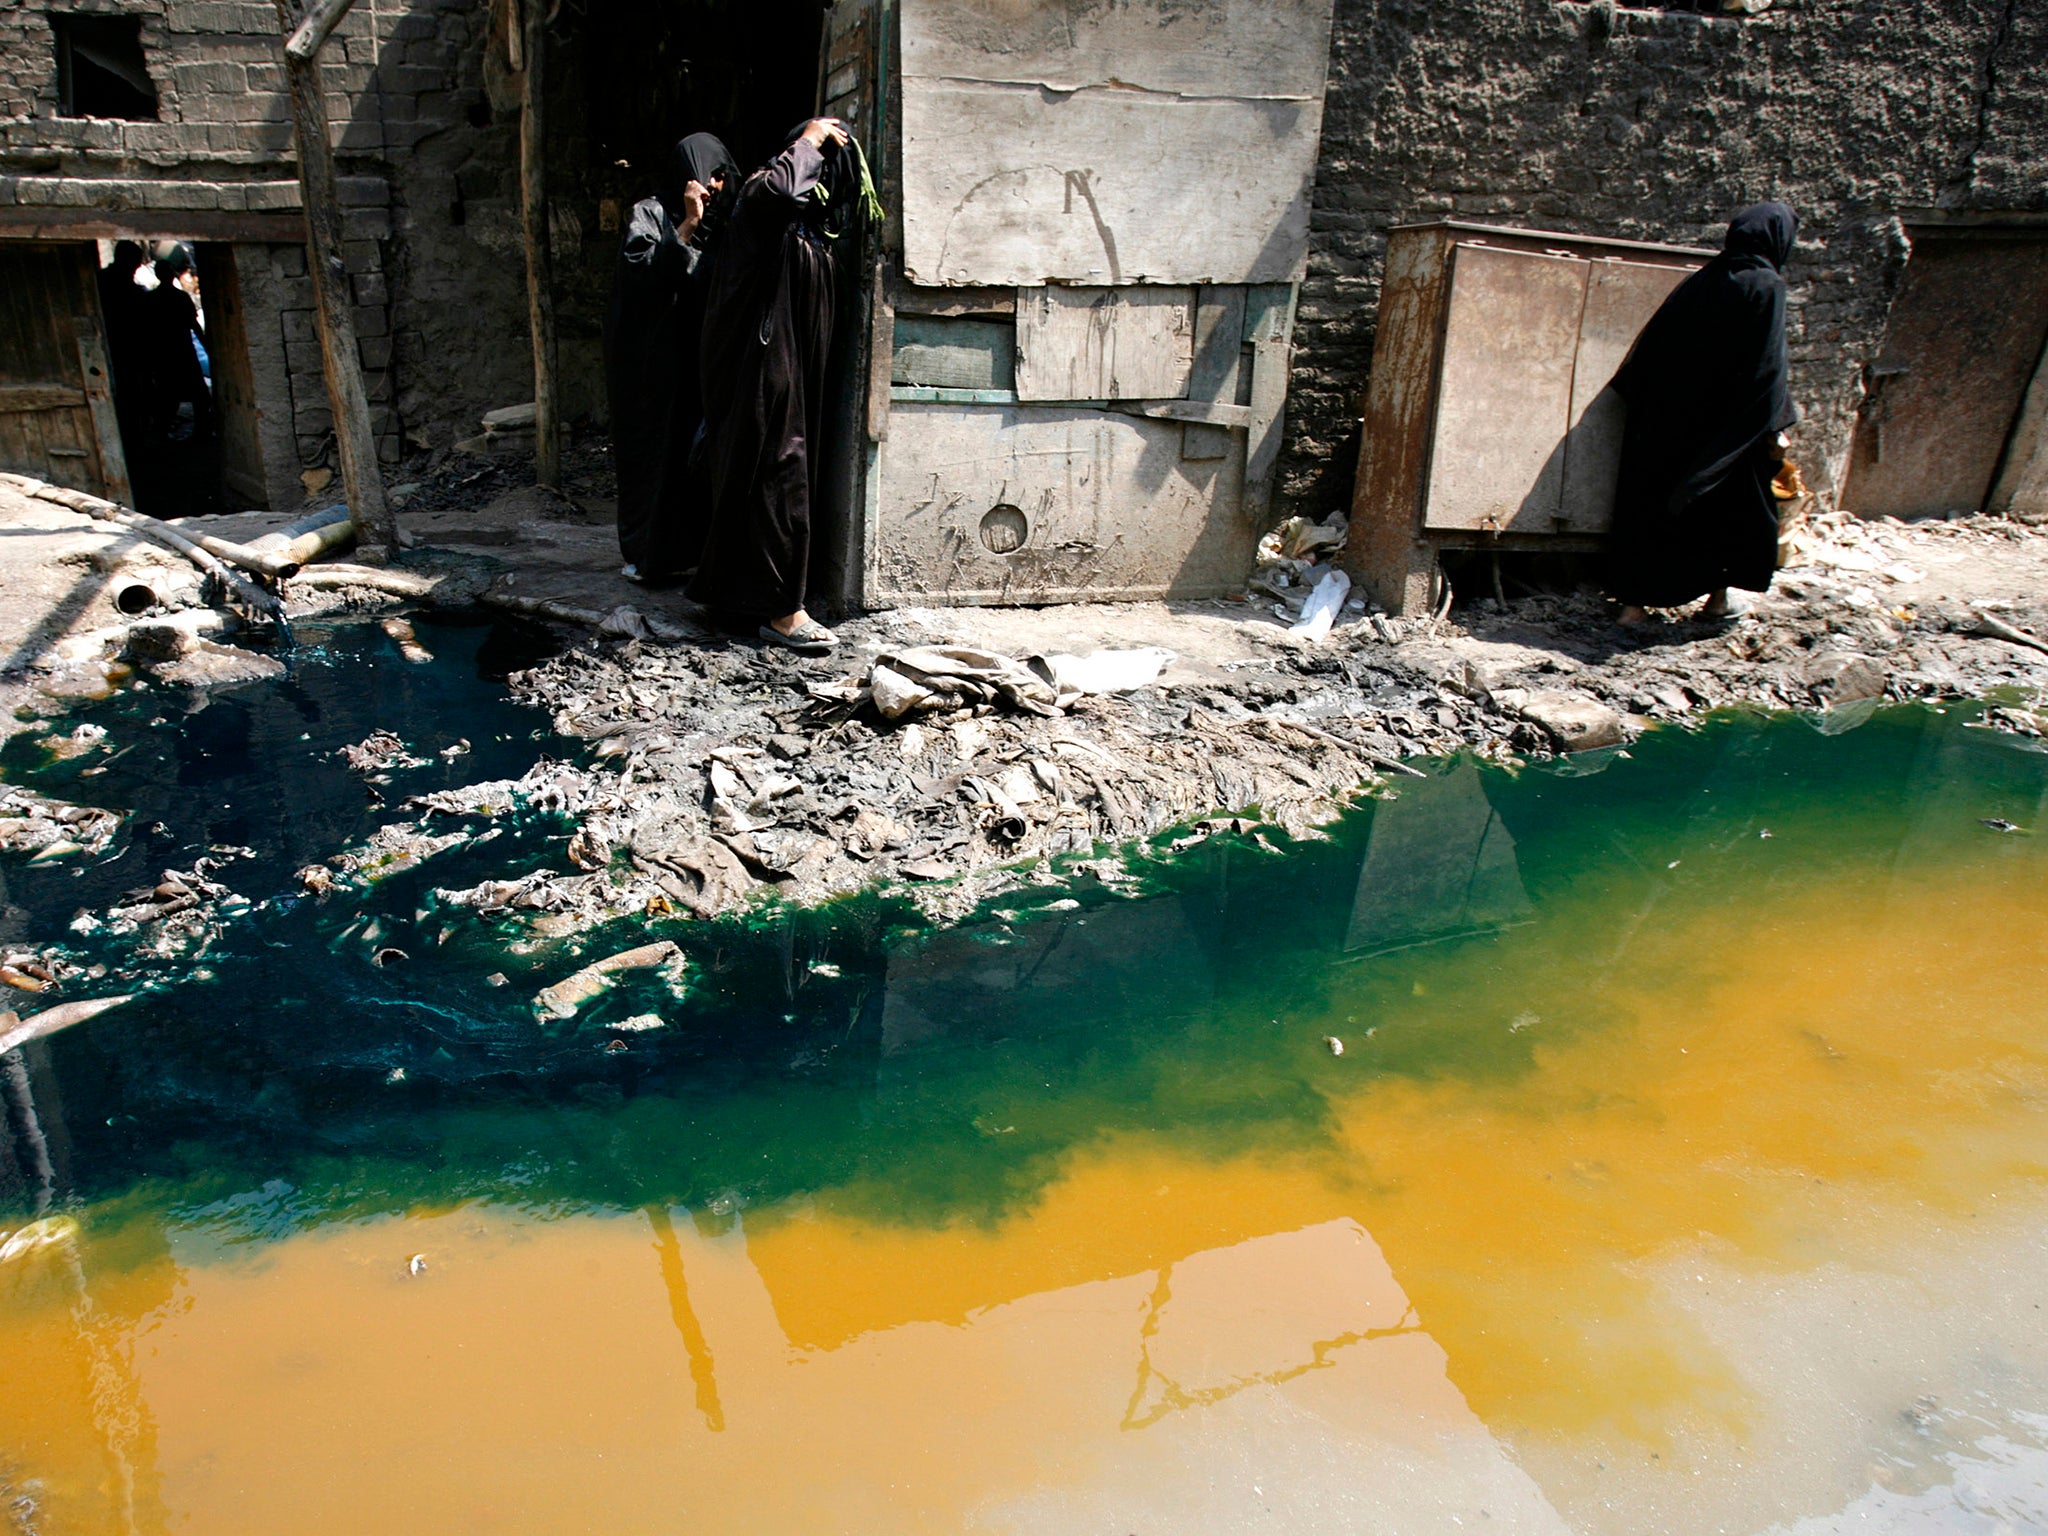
x: 1504, y: 391
x: 1621, y: 296
x: 1166, y: 141
x: 1959, y: 349
x: 1110, y: 509
x: 1104, y: 343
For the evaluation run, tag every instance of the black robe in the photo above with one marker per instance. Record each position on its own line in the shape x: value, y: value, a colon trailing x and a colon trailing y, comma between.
x: 652, y: 329
x: 1706, y: 387
x: 767, y: 330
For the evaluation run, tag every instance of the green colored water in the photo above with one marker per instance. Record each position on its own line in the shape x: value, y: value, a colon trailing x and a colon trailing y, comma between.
x: 1755, y: 1002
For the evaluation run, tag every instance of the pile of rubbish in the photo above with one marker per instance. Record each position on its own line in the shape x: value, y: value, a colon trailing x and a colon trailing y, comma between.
x: 1296, y: 570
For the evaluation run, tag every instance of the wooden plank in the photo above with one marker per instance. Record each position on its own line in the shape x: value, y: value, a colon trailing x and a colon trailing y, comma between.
x: 1269, y: 328
x: 334, y: 310
x: 881, y: 350
x: 1109, y: 509
x: 1206, y: 413
x: 917, y: 394
x: 1213, y: 376
x: 1276, y: 50
x: 113, y: 483
x: 953, y: 354
x: 1104, y: 343
x: 39, y: 397
x: 1002, y: 185
x: 1621, y: 296
x: 314, y: 30
x: 533, y: 220
x: 965, y: 302
x: 1504, y: 390
x: 33, y: 223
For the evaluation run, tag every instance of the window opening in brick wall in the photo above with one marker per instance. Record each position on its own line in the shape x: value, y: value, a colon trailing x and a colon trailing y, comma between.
x: 100, y: 68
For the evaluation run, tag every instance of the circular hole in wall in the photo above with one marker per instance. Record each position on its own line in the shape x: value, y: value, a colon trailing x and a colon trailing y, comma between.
x: 1003, y: 529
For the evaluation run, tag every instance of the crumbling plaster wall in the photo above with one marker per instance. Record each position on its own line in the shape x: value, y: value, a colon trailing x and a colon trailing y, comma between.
x: 1647, y: 124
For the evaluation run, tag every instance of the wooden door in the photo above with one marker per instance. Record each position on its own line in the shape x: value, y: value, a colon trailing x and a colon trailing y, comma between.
x: 56, y: 401
x: 1963, y: 339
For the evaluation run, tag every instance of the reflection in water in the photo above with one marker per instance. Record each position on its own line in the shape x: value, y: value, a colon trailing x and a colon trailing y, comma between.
x: 1674, y: 1177
x: 1439, y: 865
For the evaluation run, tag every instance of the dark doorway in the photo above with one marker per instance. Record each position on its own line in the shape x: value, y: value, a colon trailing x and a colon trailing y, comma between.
x: 1964, y: 338
x: 654, y: 70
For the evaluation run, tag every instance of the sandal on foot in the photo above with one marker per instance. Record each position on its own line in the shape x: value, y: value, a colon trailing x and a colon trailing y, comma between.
x: 809, y: 638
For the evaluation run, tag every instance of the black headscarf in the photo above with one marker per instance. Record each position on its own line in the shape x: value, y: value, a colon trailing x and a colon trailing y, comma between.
x: 1707, y: 383
x: 701, y: 158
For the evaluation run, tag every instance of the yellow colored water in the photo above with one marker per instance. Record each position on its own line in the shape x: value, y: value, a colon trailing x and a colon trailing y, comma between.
x: 1766, y: 1242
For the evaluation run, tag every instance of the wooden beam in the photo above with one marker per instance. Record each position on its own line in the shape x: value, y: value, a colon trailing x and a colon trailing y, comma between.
x: 325, y: 17
x: 533, y: 209
x: 333, y: 309
x: 34, y: 223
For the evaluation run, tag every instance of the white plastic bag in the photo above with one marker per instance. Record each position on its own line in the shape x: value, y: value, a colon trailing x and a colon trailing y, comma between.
x: 1320, y: 611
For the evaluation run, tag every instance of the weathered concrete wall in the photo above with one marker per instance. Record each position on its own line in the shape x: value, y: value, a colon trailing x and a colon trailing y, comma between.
x: 1648, y: 124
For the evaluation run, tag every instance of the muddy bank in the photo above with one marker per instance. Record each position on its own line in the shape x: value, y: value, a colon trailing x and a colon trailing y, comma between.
x: 723, y: 771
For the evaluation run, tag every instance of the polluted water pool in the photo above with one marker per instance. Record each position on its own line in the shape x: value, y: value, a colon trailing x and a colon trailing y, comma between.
x: 1650, y: 1143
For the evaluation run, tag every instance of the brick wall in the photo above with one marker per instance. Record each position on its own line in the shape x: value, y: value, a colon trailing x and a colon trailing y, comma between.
x: 426, y: 180
x: 1594, y: 119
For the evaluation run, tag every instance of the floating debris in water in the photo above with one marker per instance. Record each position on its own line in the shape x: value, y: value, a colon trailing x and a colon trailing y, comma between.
x: 639, y: 1022
x: 1336, y: 1046
x: 395, y: 1075
x: 1522, y: 1021
x: 391, y: 954
x: 2000, y: 824
x: 1767, y: 832
x: 417, y: 1264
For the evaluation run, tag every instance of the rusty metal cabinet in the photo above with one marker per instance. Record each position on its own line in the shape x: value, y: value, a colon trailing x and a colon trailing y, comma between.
x: 1488, y: 423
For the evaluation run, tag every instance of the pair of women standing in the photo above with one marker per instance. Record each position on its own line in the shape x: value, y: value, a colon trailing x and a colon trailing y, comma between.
x: 715, y: 349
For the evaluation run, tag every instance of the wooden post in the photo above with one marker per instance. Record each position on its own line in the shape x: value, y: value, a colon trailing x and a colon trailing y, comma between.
x: 529, y: 17
x: 333, y: 305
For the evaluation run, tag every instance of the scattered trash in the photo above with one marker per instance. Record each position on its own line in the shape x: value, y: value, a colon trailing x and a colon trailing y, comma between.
x: 2000, y: 824
x: 1323, y: 605
x: 1108, y: 671
x: 417, y: 1264
x: 565, y: 997
x: 401, y: 631
x: 1334, y: 1045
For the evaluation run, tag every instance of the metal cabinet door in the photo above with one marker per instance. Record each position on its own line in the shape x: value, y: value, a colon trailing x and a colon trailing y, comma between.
x: 1621, y: 296
x: 1504, y: 390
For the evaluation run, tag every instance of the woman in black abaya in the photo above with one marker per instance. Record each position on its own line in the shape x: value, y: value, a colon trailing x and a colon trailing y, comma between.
x: 1707, y: 395
x: 652, y: 330
x: 767, y: 331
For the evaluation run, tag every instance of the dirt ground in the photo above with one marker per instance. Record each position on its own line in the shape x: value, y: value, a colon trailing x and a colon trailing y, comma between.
x: 724, y: 771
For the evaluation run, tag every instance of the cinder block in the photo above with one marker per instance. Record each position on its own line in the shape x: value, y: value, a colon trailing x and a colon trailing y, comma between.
x: 302, y: 357
x: 362, y: 191
x: 375, y: 352
x: 209, y: 75
x: 371, y: 320
x: 389, y: 448
x: 365, y: 224
x: 273, y: 197
x: 370, y: 289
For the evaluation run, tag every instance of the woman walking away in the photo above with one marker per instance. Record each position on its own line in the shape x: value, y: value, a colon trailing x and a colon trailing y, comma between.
x: 1706, y: 388
x: 652, y: 330
x: 767, y: 330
